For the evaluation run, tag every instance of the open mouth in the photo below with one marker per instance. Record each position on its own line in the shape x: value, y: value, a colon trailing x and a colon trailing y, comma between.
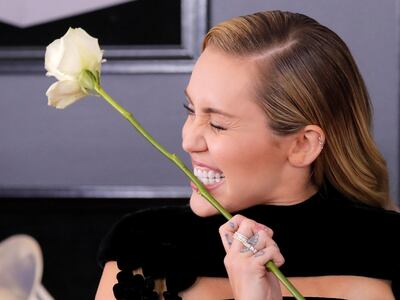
x: 208, y: 177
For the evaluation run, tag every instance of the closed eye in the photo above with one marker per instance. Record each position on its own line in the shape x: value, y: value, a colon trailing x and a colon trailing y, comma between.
x: 188, y: 109
x: 191, y: 112
x: 217, y: 127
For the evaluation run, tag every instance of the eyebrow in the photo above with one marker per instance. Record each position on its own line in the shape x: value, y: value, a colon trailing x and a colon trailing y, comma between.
x: 209, y: 110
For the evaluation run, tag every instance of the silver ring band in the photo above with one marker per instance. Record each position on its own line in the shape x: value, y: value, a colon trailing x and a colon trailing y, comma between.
x: 244, y: 240
x: 252, y: 249
x: 240, y: 237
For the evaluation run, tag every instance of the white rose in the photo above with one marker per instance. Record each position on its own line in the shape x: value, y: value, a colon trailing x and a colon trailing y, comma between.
x: 75, y: 60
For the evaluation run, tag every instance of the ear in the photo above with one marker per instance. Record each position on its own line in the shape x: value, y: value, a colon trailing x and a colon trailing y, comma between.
x: 306, y: 146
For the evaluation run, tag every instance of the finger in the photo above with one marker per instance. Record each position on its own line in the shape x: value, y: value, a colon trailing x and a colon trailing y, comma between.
x: 261, y: 239
x: 246, y: 229
x: 226, y: 238
x: 269, y: 253
x: 227, y: 230
x: 268, y: 230
x: 249, y: 231
x: 252, y: 231
x: 233, y: 224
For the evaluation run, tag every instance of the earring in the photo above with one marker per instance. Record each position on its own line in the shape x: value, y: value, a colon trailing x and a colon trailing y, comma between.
x: 321, y: 142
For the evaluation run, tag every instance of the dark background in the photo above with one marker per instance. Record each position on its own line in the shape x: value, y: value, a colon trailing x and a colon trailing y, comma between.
x: 69, y: 232
x: 141, y: 22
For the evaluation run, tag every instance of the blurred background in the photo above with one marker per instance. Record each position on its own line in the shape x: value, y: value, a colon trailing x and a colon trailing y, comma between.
x: 67, y: 176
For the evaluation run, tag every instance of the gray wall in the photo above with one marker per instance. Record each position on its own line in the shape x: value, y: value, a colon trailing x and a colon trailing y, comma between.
x: 89, y: 144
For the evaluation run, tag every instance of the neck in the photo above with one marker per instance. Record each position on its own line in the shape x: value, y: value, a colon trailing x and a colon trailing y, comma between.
x: 293, y: 196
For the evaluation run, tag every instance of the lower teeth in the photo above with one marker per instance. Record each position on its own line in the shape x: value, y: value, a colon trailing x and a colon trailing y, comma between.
x: 210, y: 181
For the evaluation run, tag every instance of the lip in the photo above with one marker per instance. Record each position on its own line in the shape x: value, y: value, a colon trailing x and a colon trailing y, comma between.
x: 201, y: 165
x: 208, y: 187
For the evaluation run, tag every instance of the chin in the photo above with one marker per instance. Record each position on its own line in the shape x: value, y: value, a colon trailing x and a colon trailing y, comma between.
x: 201, y: 206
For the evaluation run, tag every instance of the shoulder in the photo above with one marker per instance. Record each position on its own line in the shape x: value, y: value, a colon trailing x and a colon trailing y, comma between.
x: 331, y: 202
x: 368, y: 216
x: 370, y: 227
x: 340, y: 236
x: 366, y: 236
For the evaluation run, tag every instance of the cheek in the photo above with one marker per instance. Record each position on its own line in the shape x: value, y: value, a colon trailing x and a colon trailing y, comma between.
x: 222, y: 152
x: 249, y: 160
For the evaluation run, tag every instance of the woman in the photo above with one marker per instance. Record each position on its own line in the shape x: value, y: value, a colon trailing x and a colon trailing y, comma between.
x: 279, y: 131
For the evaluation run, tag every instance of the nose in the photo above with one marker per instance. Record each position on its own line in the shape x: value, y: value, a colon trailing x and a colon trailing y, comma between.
x: 193, y: 139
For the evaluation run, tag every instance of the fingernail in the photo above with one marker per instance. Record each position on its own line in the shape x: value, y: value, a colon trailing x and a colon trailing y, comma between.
x: 231, y: 224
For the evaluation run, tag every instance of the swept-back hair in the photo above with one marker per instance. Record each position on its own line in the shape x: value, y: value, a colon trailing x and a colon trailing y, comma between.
x: 307, y: 75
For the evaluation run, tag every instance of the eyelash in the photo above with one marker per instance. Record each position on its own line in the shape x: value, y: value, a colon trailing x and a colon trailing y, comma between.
x: 191, y: 112
x: 188, y: 109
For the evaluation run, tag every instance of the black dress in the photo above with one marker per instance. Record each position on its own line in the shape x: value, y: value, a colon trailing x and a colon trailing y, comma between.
x: 324, y: 235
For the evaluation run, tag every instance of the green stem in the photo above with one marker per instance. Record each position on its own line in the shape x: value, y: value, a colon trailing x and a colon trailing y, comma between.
x: 283, y: 279
x: 202, y: 190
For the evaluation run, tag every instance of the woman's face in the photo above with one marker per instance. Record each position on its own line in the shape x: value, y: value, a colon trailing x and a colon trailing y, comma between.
x: 233, y: 151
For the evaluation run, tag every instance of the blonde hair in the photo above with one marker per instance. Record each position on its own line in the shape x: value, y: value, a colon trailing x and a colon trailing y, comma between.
x: 308, y: 76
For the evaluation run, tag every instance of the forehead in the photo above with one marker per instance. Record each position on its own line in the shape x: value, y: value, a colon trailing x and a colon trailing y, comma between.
x: 223, y: 77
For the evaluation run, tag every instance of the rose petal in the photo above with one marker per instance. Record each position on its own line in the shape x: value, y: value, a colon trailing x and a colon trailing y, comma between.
x: 53, y: 56
x: 81, y: 51
x: 63, y: 93
x: 91, y: 54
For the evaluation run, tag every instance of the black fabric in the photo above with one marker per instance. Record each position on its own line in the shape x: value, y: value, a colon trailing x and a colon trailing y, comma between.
x: 324, y: 235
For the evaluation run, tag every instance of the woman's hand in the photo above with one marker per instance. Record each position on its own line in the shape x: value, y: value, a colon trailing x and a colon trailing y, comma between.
x: 245, y: 264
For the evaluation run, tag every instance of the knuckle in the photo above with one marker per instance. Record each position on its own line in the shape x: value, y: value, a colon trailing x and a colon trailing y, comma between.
x: 237, y: 218
x: 280, y: 261
x: 264, y: 235
x: 262, y: 227
x: 247, y: 222
x: 268, y: 231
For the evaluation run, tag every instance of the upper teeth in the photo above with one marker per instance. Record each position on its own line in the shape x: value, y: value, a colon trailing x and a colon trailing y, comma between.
x: 208, y: 176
